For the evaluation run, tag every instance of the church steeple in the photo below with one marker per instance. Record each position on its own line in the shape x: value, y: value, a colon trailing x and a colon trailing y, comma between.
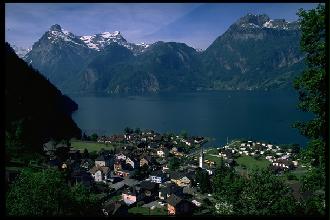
x: 201, y: 158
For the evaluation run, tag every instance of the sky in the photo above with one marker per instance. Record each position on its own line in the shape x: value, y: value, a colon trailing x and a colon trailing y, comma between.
x: 195, y: 24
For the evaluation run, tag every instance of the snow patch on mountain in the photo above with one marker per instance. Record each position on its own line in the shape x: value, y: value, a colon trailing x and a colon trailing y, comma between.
x: 20, y: 51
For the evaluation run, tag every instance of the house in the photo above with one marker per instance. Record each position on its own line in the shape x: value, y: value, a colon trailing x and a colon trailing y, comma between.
x: 103, y: 161
x: 295, y: 163
x: 198, y: 140
x: 131, y: 196
x: 196, y: 203
x: 162, y: 152
x: 100, y: 174
x: 148, y: 188
x: 50, y: 148
x: 122, y: 173
x: 117, y: 166
x: 158, y: 176
x: 178, y: 206
x: 132, y: 162
x: 211, y: 171
x: 180, y: 179
x: 285, y: 164
x: 168, y: 189
x: 120, y: 156
x: 144, y: 161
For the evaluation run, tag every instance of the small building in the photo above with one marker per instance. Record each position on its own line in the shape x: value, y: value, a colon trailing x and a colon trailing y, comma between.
x: 131, y: 196
x: 158, y: 176
x: 168, y: 189
x: 100, y: 174
x: 103, y: 161
x: 178, y: 206
x: 132, y: 162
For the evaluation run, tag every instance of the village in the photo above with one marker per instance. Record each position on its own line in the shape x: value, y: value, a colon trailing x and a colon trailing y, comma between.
x: 155, y: 174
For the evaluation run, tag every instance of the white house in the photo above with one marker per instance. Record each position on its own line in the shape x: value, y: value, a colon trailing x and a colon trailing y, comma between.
x: 198, y: 204
x: 161, y: 153
x: 100, y: 174
x: 121, y: 156
x: 133, y: 163
x: 100, y: 161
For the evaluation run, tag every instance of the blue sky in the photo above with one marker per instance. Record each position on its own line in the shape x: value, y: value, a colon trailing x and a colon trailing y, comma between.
x: 195, y: 24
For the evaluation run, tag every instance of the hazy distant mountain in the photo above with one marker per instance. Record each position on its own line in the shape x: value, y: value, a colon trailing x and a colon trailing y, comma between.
x: 254, y: 53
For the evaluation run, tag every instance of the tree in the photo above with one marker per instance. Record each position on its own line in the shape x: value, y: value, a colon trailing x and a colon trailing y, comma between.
x: 128, y: 130
x: 313, y: 97
x: 37, y: 194
x: 227, y: 185
x: 83, y: 202
x: 141, y: 172
x: 46, y: 193
x: 265, y: 194
x: 312, y: 83
x: 84, y: 137
x: 85, y: 154
x: 184, y: 134
x: 173, y: 163
x: 295, y: 149
x: 202, y: 177
x: 94, y: 137
x: 137, y: 131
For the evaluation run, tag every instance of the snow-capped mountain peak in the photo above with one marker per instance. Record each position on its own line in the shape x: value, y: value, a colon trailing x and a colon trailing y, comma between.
x: 57, y: 34
x: 100, y: 41
x: 261, y: 21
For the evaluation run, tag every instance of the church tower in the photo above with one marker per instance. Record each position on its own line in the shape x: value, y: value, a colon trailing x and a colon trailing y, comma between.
x: 201, y: 158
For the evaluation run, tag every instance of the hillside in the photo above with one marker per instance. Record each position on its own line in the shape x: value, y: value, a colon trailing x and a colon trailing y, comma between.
x: 35, y: 109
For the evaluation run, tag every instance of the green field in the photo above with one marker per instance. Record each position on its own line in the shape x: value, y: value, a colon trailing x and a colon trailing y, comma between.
x: 252, y: 163
x: 147, y: 211
x: 215, y: 159
x: 213, y: 151
x: 91, y: 146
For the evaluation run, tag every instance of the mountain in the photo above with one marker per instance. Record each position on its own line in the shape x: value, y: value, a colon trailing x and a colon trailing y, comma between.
x: 35, y: 109
x: 254, y: 53
x: 59, y: 55
x: 20, y: 51
x: 100, y: 41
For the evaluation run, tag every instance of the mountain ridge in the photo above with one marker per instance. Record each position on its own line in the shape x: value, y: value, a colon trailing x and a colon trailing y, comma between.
x: 254, y: 53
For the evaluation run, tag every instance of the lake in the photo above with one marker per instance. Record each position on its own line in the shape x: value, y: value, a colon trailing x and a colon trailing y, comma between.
x: 258, y: 115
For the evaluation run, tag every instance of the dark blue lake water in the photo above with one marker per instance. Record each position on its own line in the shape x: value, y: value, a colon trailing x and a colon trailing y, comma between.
x: 266, y: 115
